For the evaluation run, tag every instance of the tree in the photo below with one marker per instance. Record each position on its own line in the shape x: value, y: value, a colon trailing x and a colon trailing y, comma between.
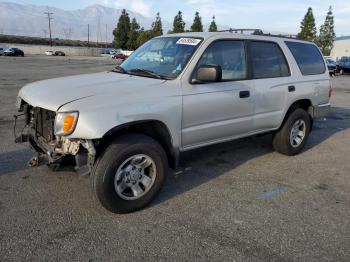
x: 213, y: 27
x: 133, y: 35
x: 308, y: 27
x: 197, y: 23
x: 157, y: 29
x: 121, y: 32
x: 178, y: 24
x: 144, y: 36
x: 327, y: 34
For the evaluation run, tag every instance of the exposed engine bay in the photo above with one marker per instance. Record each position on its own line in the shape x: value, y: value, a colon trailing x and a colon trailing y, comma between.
x: 50, y: 149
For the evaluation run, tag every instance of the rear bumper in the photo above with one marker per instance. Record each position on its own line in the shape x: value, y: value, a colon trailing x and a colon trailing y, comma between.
x: 321, y: 110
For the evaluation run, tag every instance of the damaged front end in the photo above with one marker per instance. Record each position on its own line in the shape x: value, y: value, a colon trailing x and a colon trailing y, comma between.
x: 51, y: 149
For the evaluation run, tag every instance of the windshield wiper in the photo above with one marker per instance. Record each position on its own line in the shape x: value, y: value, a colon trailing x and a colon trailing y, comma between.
x: 147, y: 72
x: 119, y: 69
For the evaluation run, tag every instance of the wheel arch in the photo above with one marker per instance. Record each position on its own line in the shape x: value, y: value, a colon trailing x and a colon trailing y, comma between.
x: 305, y: 104
x: 152, y: 128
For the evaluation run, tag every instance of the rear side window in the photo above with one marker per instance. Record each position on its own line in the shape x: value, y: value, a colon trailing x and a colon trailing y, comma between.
x: 308, y: 58
x: 268, y: 60
x: 230, y: 55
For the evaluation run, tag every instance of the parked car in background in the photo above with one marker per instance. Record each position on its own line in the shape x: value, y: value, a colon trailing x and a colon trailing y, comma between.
x: 344, y: 65
x: 55, y: 53
x: 59, y: 53
x: 104, y: 51
x: 109, y: 51
x: 120, y: 56
x: 2, y: 50
x: 13, y: 52
x: 49, y: 53
x: 113, y: 51
x: 332, y: 66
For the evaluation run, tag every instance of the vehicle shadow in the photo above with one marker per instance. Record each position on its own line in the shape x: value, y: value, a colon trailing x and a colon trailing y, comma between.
x: 202, y: 165
x: 11, y: 162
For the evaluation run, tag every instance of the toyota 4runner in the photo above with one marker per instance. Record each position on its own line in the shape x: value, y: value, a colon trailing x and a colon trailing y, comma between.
x: 173, y: 94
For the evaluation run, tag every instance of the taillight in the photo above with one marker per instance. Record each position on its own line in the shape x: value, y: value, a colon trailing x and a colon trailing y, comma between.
x: 330, y: 89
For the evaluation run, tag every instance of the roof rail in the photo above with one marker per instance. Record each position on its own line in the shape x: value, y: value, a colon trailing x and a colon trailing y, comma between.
x: 242, y: 30
x: 282, y: 36
x: 258, y: 32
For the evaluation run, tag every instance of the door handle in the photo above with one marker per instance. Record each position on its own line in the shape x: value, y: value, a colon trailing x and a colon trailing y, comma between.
x: 244, y: 94
x: 291, y: 88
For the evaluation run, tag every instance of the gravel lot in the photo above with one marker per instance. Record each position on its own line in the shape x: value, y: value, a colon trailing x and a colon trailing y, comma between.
x: 237, y: 201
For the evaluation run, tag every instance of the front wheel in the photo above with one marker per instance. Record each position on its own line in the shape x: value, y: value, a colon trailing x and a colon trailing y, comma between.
x: 291, y: 138
x: 130, y: 173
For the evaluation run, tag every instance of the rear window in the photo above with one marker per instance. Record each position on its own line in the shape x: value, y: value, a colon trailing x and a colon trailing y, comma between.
x: 268, y: 60
x: 308, y: 58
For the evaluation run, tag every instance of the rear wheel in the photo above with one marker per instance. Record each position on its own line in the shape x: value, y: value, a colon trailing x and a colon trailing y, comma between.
x: 130, y: 173
x: 291, y: 138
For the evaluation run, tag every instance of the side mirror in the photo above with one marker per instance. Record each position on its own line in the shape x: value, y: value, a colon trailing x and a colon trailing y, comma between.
x: 208, y: 73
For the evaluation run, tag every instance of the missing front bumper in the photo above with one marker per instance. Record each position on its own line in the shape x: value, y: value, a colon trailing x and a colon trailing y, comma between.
x: 55, y: 155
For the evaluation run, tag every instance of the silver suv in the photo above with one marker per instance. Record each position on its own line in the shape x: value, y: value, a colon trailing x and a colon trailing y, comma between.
x: 173, y: 94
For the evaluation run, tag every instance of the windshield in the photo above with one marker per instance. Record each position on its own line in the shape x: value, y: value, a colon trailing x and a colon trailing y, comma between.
x: 162, y: 58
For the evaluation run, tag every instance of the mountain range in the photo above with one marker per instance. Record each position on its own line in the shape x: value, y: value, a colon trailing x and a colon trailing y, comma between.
x: 32, y: 20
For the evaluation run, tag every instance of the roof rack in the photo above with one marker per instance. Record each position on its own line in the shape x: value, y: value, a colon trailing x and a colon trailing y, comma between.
x: 257, y: 32
x: 237, y: 31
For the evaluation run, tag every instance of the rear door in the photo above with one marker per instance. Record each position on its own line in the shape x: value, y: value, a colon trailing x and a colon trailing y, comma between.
x: 272, y: 83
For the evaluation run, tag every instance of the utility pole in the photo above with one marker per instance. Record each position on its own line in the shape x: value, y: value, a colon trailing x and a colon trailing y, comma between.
x: 49, y: 18
x: 88, y: 35
x: 98, y: 33
x: 106, y: 35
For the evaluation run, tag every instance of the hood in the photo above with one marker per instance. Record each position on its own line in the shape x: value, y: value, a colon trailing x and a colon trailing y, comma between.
x: 53, y: 93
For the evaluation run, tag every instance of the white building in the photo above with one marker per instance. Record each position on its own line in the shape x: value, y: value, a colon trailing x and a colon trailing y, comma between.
x: 341, y: 47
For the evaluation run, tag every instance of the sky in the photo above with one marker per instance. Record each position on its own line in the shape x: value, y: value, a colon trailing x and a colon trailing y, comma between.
x: 272, y: 15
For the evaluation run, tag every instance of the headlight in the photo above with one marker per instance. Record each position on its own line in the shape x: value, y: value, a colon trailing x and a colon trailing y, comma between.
x: 65, y: 123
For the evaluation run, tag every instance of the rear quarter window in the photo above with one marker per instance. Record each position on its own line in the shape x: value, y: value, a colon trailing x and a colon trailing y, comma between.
x: 308, y: 58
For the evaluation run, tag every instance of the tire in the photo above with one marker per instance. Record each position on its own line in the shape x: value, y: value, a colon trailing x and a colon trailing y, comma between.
x: 116, y: 166
x: 283, y: 141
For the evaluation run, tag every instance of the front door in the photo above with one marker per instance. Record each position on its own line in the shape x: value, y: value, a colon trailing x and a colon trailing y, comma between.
x: 219, y: 111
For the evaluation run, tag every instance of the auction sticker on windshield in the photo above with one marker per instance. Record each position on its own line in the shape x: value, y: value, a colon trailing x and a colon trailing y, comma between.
x: 188, y: 41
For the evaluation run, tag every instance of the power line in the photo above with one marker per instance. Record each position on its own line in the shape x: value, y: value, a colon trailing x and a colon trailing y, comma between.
x: 49, y: 18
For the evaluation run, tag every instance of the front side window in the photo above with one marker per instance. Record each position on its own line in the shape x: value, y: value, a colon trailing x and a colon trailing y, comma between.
x: 163, y: 57
x: 268, y: 60
x: 230, y: 55
x: 308, y: 58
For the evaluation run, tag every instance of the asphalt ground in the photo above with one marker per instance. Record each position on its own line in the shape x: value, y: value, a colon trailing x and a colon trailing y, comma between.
x: 237, y: 201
